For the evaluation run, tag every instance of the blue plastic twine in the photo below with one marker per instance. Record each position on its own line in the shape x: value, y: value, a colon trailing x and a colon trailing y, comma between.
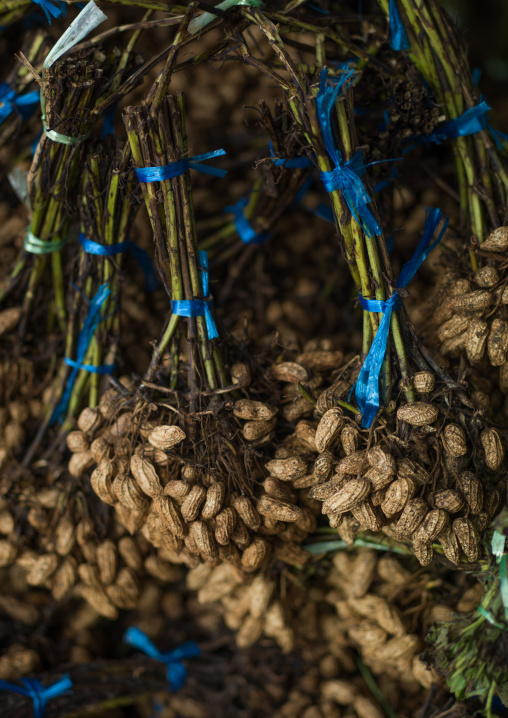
x: 469, y: 123
x: 175, y: 169
x: 175, y: 670
x: 85, y: 337
x: 199, y: 307
x: 108, y: 123
x: 346, y: 175
x: 498, y: 136
x: 25, y: 105
x: 40, y: 695
x: 58, y: 10
x: 243, y: 227
x: 109, y: 250
x: 367, y: 386
x: 398, y: 35
x: 291, y: 164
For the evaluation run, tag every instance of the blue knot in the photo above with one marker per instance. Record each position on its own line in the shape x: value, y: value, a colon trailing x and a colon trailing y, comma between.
x: 175, y: 670
x: 40, y: 695
x: 243, y: 227
x: 57, y: 10
x: 398, y: 35
x: 345, y: 176
x: 85, y: 337
x: 367, y: 386
x: 199, y: 307
x: 25, y: 105
x: 175, y: 169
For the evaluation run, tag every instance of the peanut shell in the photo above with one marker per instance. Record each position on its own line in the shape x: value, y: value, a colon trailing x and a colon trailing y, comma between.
x: 476, y: 339
x: 280, y: 510
x: 493, y: 448
x: 166, y: 436
x: 454, y: 440
x: 411, y: 517
x: 418, y: 413
x: 350, y: 495
x: 253, y: 410
x: 328, y: 428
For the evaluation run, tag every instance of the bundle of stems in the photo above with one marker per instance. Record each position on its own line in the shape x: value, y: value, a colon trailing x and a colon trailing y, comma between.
x: 366, y: 255
x: 74, y: 92
x: 157, y: 138
x: 70, y: 90
x: 439, y: 54
x: 272, y: 194
x: 14, y: 110
x: 107, y: 213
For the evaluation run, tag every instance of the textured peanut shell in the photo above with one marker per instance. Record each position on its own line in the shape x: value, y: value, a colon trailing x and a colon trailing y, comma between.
x: 418, y: 413
x: 280, y: 510
x: 328, y: 428
x: 411, y: 517
x: 350, y: 495
x: 250, y: 410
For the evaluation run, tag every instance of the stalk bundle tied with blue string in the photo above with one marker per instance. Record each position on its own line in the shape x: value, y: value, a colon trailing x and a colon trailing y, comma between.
x: 40, y: 695
x: 345, y: 176
x: 171, y: 211
x: 367, y: 386
x: 85, y: 337
x: 173, y: 660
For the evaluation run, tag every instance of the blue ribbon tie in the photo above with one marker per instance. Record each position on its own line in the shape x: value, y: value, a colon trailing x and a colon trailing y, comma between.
x: 85, y: 337
x: 57, y: 10
x: 24, y: 105
x: 367, y: 386
x: 109, y: 250
x: 199, y: 307
x: 398, y: 35
x: 469, y: 123
x: 175, y: 670
x: 299, y: 163
x: 243, y: 227
x: 323, y: 211
x: 39, y: 694
x: 345, y: 176
x: 175, y: 169
x: 108, y: 123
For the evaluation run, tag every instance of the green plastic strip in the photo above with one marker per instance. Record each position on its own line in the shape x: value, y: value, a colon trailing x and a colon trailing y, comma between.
x: 497, y: 545
x: 63, y: 139
x: 87, y: 20
x: 34, y: 245
x: 339, y: 545
x: 490, y: 618
x: 207, y: 17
